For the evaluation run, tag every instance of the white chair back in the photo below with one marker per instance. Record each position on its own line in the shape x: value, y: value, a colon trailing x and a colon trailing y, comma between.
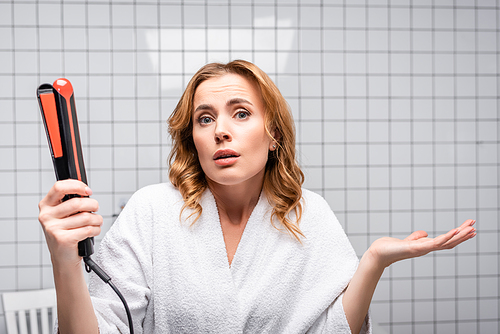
x: 28, y: 312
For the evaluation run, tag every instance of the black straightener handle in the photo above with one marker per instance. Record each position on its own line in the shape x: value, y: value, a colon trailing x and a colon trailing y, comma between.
x: 57, y: 105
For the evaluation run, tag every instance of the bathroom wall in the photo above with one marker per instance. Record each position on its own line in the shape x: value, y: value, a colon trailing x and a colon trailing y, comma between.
x: 395, y: 103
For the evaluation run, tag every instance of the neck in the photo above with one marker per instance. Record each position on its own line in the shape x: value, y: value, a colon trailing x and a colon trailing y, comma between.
x: 236, y: 202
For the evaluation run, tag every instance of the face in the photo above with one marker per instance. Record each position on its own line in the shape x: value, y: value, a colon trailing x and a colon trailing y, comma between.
x: 229, y: 130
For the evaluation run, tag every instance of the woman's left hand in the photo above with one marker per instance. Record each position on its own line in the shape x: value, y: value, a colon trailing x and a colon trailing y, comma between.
x: 381, y: 254
x: 388, y: 250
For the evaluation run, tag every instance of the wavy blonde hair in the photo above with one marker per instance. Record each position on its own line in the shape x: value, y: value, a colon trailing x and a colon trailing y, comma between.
x: 283, y: 178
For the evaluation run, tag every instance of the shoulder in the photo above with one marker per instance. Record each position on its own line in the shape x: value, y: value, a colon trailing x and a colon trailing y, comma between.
x: 163, y: 192
x: 159, y: 189
x: 313, y: 201
x: 152, y: 200
x: 317, y: 214
x: 150, y: 204
x: 323, y: 232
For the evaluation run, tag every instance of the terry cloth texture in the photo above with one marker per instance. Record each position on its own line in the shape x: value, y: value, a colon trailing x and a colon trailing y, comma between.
x: 176, y: 277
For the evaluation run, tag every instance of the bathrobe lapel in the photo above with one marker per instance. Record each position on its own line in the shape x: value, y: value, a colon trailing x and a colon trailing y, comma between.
x: 275, y: 284
x: 250, y: 254
x: 251, y: 248
x: 211, y: 257
x: 251, y: 279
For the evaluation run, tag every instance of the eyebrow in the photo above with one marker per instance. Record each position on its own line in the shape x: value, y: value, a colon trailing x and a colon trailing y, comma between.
x: 238, y: 101
x: 229, y: 103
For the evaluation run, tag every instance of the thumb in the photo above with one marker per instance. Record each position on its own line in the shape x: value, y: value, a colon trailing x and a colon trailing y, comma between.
x: 416, y: 235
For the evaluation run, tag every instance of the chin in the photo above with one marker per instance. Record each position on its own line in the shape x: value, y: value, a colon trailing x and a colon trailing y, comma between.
x: 226, y: 181
x: 229, y: 179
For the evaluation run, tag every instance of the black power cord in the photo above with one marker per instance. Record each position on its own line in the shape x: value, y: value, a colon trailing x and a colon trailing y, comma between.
x: 90, y: 265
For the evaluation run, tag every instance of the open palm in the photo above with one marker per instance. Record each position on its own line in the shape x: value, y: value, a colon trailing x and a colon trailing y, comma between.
x: 388, y: 250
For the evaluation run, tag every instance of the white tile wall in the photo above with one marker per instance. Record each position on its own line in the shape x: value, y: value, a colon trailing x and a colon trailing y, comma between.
x: 395, y: 102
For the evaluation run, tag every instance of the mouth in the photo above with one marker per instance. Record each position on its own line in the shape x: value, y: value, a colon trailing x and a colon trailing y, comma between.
x: 225, y: 154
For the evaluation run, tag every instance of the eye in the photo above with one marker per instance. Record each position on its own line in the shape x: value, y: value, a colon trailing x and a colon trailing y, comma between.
x: 242, y: 114
x: 204, y: 120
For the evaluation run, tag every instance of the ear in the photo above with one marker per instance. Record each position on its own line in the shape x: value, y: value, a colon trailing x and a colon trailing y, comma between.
x: 277, y: 136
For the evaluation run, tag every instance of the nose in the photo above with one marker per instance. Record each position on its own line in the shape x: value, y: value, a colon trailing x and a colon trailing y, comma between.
x: 222, y: 132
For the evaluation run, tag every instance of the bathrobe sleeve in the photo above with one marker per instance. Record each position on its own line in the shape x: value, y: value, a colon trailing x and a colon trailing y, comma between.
x: 333, y: 244
x: 333, y: 320
x: 125, y: 255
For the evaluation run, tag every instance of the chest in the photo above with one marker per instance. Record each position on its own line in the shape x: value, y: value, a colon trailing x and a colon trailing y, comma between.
x: 199, y: 289
x: 232, y: 234
x: 273, y: 280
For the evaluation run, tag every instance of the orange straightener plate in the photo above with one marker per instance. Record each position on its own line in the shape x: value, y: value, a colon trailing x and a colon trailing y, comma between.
x: 51, y: 122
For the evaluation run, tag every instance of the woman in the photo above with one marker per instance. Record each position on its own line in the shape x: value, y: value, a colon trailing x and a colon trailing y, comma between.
x: 233, y: 244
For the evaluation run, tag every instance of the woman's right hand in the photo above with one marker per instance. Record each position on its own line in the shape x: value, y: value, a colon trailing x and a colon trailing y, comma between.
x: 67, y: 223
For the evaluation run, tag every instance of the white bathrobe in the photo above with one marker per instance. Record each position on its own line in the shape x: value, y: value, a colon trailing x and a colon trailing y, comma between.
x: 176, y: 277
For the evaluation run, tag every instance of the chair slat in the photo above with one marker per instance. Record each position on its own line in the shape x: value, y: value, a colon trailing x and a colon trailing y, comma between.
x: 10, y: 319
x: 54, y: 316
x: 23, y: 327
x: 33, y: 321
x: 44, y: 315
x: 17, y: 305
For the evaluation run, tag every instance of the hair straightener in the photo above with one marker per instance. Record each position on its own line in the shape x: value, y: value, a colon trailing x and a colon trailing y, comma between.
x: 57, y: 105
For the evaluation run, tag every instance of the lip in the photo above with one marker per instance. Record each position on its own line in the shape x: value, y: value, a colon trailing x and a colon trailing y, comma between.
x: 225, y: 157
x: 225, y: 152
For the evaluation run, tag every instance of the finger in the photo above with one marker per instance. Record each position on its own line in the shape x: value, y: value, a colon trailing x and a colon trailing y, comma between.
x: 73, y: 230
x: 72, y: 237
x: 68, y: 208
x: 457, y: 235
x: 65, y: 187
x: 468, y: 233
x: 468, y: 222
x: 59, y: 227
x: 75, y: 205
x: 416, y: 235
x: 442, y: 239
x: 81, y: 219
